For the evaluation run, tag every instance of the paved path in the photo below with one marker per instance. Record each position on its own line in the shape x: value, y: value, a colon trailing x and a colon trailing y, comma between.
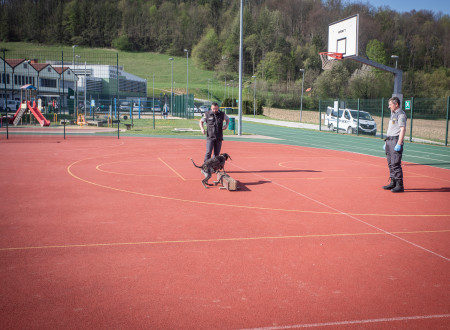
x: 279, y: 122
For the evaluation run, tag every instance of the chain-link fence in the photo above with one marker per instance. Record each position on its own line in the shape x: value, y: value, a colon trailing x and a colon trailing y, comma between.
x: 62, y: 85
x: 428, y: 119
x: 78, y: 87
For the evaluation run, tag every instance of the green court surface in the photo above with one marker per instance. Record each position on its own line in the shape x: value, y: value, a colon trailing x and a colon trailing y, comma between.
x: 423, y: 154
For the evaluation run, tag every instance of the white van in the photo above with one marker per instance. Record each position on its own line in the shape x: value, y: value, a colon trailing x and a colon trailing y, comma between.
x: 348, y: 121
x: 12, y: 105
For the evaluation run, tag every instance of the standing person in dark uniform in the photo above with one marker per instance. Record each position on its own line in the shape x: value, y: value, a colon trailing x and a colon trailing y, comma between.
x: 214, y: 119
x: 394, y: 145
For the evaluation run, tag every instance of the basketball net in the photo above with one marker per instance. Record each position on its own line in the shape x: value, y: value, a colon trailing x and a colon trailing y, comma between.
x: 329, y: 59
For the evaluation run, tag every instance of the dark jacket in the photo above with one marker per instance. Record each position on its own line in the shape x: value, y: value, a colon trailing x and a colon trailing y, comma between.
x: 214, y: 124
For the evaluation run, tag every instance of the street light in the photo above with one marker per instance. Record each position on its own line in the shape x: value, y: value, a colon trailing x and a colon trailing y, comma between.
x: 232, y: 94
x: 85, y: 89
x: 76, y: 86
x: 171, y: 93
x: 254, y: 96
x: 209, y: 82
x: 301, y: 101
x: 73, y: 66
x: 187, y: 78
x: 396, y: 58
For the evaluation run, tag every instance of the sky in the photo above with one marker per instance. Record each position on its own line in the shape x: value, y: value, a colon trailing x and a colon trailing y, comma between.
x: 408, y: 5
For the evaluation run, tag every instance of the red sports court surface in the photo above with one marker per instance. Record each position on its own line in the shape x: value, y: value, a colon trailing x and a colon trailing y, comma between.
x: 101, y: 233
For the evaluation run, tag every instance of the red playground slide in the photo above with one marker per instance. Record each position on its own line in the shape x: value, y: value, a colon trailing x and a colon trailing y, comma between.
x: 37, y: 114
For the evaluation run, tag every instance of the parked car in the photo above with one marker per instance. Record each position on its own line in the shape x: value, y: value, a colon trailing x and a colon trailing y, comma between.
x: 203, y: 108
x: 137, y: 107
x: 125, y: 106
x: 348, y: 121
x: 194, y: 109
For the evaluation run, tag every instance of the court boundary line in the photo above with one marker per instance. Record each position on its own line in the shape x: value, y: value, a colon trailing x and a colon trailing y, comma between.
x: 69, y: 167
x: 387, y: 319
x: 350, y: 216
x: 215, y: 240
x: 178, y: 174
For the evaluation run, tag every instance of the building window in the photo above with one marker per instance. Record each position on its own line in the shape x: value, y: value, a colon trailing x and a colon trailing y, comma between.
x: 48, y: 83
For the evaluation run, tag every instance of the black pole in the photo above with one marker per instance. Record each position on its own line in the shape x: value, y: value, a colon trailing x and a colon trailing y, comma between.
x: 6, y: 98
x: 357, y: 125
x: 117, y: 98
x: 61, y: 99
x: 446, y: 126
x: 382, y: 116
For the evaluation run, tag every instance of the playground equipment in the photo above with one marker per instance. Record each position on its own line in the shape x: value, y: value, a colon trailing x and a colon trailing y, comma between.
x: 81, y: 120
x: 26, y: 92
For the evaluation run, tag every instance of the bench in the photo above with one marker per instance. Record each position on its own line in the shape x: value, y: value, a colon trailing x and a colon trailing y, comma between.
x: 128, y: 126
x: 227, y: 181
x: 98, y: 123
x: 64, y: 121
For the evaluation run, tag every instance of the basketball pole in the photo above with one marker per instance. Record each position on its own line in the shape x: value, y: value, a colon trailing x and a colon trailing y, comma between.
x: 398, y: 74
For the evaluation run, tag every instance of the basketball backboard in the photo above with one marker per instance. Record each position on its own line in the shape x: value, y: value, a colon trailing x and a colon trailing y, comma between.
x: 343, y: 36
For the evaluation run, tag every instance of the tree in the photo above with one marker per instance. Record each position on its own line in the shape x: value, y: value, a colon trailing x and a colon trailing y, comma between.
x: 206, y: 53
x: 332, y: 83
x: 273, y: 67
x: 375, y: 51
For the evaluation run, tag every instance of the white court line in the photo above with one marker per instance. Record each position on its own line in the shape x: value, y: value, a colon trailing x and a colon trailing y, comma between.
x: 388, y: 319
x: 349, y: 215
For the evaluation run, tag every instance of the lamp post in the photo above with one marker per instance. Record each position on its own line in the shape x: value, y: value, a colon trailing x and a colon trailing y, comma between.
x: 396, y: 58
x: 76, y: 86
x: 209, y: 82
x: 73, y: 66
x: 85, y: 89
x: 187, y: 79
x: 232, y: 93
x: 171, y: 82
x: 301, y: 100
x: 254, y: 96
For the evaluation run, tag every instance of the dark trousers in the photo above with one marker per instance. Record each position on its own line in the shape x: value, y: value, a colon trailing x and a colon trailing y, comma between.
x: 394, y: 159
x: 211, y: 145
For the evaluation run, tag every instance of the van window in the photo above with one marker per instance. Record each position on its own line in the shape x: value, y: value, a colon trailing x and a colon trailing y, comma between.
x: 362, y: 115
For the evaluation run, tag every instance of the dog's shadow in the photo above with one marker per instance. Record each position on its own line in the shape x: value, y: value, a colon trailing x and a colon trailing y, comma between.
x: 244, y: 186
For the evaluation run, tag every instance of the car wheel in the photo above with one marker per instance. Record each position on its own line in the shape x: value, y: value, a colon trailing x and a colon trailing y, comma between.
x: 331, y: 127
x: 349, y: 130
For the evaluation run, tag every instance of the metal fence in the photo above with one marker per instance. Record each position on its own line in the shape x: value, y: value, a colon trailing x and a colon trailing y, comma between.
x: 66, y: 87
x: 428, y: 118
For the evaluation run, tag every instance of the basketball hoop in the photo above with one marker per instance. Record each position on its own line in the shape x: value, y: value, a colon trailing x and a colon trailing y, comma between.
x: 329, y: 59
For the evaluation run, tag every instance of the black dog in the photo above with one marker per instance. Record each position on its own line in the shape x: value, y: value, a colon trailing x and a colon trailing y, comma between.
x: 212, y: 165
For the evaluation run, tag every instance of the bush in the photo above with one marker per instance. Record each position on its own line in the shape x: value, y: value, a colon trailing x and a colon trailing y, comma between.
x: 247, y: 107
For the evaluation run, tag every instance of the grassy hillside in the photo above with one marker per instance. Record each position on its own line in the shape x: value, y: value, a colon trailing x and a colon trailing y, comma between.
x: 147, y: 66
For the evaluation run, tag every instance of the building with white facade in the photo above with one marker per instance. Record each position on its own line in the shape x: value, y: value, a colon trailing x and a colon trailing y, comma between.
x: 69, y: 80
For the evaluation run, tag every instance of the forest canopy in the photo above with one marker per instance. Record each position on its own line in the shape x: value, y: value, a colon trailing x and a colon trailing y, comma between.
x: 280, y: 37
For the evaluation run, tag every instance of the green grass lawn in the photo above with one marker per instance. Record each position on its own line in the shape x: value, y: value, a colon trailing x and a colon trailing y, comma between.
x: 177, y: 127
x: 156, y: 68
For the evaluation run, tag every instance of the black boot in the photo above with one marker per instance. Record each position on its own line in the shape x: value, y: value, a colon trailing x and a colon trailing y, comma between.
x: 398, y: 186
x: 391, y: 184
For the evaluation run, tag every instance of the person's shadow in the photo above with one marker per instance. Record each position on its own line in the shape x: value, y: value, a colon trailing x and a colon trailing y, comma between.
x: 443, y: 189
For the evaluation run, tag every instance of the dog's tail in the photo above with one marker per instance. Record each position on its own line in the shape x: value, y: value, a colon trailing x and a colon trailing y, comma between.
x: 195, y: 164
